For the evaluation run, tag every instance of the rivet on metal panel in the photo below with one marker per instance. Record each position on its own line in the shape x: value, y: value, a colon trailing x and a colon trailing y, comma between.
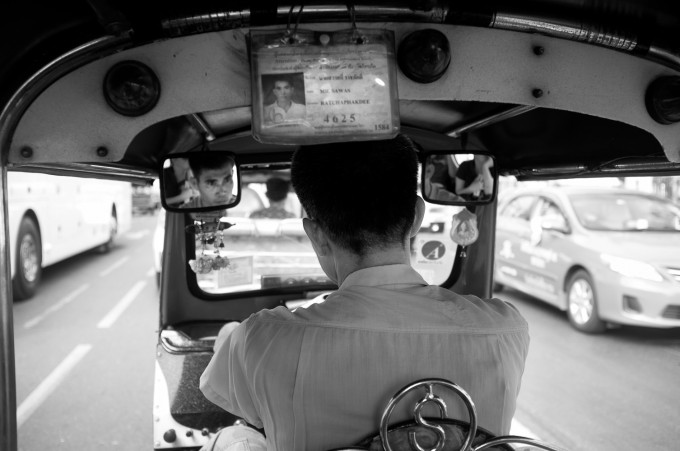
x: 170, y: 436
x: 26, y: 152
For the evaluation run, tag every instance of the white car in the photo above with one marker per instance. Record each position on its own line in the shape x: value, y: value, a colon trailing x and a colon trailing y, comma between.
x: 605, y: 256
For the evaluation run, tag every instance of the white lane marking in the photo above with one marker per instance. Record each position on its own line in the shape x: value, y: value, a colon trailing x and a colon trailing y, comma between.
x: 137, y: 235
x: 51, y: 382
x: 151, y: 272
x: 517, y: 428
x: 56, y: 306
x: 113, y: 267
x: 119, y: 308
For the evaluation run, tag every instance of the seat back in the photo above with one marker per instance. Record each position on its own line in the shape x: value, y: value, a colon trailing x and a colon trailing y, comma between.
x: 438, y: 434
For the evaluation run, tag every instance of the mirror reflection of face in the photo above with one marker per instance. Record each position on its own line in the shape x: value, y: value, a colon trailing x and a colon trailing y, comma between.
x: 215, y: 185
x: 283, y: 92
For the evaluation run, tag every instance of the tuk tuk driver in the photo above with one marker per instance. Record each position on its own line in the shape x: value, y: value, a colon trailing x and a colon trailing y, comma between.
x: 212, y: 177
x: 318, y: 378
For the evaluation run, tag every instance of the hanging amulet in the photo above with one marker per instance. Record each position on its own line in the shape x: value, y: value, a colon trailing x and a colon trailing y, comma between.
x: 204, y: 264
x: 216, y: 263
x: 220, y: 262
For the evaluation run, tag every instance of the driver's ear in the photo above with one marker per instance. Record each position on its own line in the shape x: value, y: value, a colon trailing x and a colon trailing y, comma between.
x: 317, y: 236
x: 418, y: 219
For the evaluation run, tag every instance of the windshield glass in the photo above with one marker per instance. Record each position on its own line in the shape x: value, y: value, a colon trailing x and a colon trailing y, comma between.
x: 625, y: 212
x: 266, y: 245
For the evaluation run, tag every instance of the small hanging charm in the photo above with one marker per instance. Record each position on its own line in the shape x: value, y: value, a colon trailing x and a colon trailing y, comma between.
x: 464, y: 229
x: 204, y: 264
x: 209, y: 234
x: 220, y: 262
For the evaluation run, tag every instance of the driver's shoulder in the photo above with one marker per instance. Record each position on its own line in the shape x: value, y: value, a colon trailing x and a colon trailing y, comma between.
x: 498, y: 311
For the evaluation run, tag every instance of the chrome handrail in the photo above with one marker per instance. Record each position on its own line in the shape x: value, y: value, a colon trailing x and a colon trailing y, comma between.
x: 439, y: 13
x: 431, y: 397
x: 8, y: 419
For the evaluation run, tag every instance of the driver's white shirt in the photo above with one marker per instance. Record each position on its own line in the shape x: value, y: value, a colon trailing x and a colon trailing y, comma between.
x: 275, y: 114
x: 318, y: 378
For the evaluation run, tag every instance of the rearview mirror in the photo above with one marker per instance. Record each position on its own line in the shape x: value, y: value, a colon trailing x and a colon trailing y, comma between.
x: 199, y: 181
x: 450, y: 178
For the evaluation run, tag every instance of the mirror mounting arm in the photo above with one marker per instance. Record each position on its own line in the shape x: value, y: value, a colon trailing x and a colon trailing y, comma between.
x: 198, y: 122
x: 490, y: 119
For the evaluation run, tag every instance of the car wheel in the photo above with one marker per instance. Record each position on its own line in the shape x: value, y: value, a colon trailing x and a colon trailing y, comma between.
x: 28, y: 260
x: 582, y: 304
x: 497, y: 287
x: 113, y: 232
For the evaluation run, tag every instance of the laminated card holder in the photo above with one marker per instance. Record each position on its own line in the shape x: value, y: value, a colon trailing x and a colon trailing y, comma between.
x: 311, y: 87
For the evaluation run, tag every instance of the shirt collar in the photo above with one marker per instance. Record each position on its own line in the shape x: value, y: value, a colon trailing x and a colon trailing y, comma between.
x: 398, y: 274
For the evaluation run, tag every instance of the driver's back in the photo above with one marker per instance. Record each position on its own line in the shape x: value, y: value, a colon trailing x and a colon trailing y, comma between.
x: 318, y: 378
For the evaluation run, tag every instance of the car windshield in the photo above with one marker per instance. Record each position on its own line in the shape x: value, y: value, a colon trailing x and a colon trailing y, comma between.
x: 266, y: 246
x: 625, y: 212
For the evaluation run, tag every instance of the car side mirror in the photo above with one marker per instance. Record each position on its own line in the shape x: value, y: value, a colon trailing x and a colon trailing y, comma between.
x: 456, y: 178
x: 203, y: 181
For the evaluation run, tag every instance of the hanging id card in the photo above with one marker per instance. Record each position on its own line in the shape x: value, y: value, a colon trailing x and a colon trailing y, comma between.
x: 321, y: 87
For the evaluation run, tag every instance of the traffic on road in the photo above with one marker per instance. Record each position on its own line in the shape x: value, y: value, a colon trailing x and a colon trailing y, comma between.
x: 85, y: 347
x: 288, y: 291
x: 606, y: 256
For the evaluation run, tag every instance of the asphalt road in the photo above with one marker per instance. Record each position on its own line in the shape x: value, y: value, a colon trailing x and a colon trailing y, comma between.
x: 616, y: 391
x: 85, y: 350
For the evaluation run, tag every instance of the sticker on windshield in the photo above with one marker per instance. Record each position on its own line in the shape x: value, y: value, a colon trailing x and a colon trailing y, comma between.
x: 433, y: 250
x: 240, y: 272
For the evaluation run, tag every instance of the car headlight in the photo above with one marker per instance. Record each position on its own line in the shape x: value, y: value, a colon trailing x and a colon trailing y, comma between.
x: 632, y: 268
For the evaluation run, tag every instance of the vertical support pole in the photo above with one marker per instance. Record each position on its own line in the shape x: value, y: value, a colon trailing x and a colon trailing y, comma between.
x: 8, y: 401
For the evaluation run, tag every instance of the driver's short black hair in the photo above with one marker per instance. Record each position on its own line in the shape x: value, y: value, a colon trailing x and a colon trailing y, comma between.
x: 285, y: 78
x: 277, y: 189
x: 200, y: 161
x: 362, y: 193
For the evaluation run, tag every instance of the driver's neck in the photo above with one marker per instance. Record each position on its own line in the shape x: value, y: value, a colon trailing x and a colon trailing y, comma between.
x: 348, y: 262
x: 277, y: 204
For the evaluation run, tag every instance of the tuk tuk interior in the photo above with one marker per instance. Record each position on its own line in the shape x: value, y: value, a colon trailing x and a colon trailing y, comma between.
x: 549, y: 89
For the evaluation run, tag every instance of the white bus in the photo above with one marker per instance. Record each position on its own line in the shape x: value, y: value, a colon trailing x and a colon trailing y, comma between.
x: 54, y: 217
